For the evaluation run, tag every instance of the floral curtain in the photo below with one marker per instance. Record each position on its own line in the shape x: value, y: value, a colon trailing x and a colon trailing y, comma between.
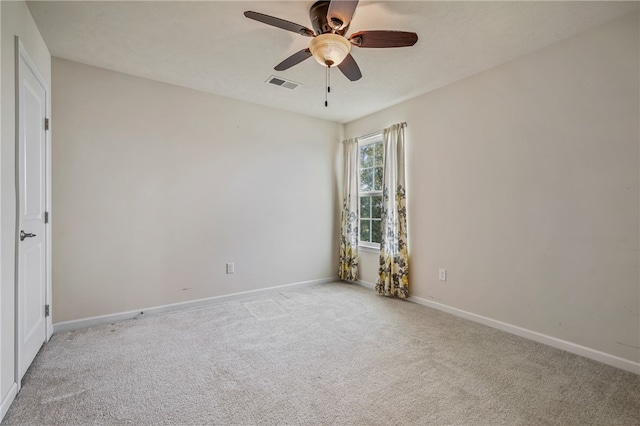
x: 349, y: 225
x: 393, y: 271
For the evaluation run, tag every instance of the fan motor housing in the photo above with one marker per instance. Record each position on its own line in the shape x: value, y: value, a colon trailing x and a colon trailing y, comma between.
x: 319, y: 21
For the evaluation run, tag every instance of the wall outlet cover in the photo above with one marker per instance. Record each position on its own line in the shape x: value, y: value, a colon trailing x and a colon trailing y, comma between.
x: 442, y: 274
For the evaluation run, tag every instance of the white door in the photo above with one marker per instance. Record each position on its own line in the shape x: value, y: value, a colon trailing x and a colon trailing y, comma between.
x: 31, y: 110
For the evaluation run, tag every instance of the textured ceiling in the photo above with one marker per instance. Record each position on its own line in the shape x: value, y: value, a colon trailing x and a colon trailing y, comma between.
x: 210, y: 46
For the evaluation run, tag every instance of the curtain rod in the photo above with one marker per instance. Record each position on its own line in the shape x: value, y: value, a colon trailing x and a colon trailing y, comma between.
x: 402, y: 125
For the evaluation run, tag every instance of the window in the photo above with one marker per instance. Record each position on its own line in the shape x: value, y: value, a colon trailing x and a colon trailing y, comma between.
x: 370, y: 170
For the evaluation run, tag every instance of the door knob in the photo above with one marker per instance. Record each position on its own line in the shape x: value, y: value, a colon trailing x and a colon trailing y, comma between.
x: 24, y: 235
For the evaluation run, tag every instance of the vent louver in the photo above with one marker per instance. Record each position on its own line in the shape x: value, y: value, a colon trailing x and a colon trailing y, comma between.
x: 278, y: 81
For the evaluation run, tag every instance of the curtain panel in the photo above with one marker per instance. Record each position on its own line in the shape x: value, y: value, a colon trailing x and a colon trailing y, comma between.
x: 348, y: 269
x: 393, y: 271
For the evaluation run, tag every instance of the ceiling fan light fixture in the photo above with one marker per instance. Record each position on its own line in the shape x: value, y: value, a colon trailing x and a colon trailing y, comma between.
x: 330, y: 49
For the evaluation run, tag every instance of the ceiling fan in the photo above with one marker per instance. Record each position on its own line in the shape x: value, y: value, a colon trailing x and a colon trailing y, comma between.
x: 329, y: 46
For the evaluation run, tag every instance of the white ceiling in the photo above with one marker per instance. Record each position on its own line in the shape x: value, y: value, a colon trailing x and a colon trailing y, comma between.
x: 210, y: 46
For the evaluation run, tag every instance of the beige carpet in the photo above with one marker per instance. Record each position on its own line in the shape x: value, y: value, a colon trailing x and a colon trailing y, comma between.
x: 327, y: 354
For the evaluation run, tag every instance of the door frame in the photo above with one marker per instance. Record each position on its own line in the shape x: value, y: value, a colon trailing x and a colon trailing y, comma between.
x: 22, y: 57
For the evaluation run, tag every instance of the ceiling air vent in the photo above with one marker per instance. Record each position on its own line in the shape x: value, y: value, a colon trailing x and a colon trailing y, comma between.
x: 283, y: 83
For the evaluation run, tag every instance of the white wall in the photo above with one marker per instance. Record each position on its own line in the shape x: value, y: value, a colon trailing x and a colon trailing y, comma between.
x: 523, y: 182
x: 16, y: 20
x: 156, y: 187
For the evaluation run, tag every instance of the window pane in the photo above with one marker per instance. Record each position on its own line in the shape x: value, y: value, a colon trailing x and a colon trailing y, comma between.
x: 376, y: 231
x: 378, y: 154
x: 366, y: 180
x: 365, y: 206
x: 366, y: 155
x: 378, y: 178
x: 376, y: 206
x: 365, y: 230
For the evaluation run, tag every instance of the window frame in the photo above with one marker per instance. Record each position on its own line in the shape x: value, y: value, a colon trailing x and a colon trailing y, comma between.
x: 364, y: 141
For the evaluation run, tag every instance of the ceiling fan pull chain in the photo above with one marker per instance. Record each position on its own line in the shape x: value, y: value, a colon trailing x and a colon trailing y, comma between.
x: 326, y: 93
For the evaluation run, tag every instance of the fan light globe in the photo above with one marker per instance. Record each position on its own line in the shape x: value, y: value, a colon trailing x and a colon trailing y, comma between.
x: 329, y: 49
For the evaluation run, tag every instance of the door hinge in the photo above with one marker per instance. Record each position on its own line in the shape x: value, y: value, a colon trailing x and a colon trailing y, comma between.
x: 46, y: 124
x: 46, y: 310
x: 46, y: 217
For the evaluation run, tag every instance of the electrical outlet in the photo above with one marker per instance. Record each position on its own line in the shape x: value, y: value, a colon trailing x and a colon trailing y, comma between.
x: 442, y: 274
x: 230, y: 268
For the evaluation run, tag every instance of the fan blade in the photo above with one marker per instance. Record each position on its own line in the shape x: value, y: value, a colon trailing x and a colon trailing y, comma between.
x: 294, y: 59
x: 350, y: 68
x: 383, y: 39
x: 340, y: 13
x: 279, y: 23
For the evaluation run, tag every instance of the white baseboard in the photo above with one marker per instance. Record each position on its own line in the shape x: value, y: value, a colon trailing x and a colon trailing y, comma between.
x: 366, y: 284
x: 8, y: 399
x: 584, y: 351
x: 120, y: 316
